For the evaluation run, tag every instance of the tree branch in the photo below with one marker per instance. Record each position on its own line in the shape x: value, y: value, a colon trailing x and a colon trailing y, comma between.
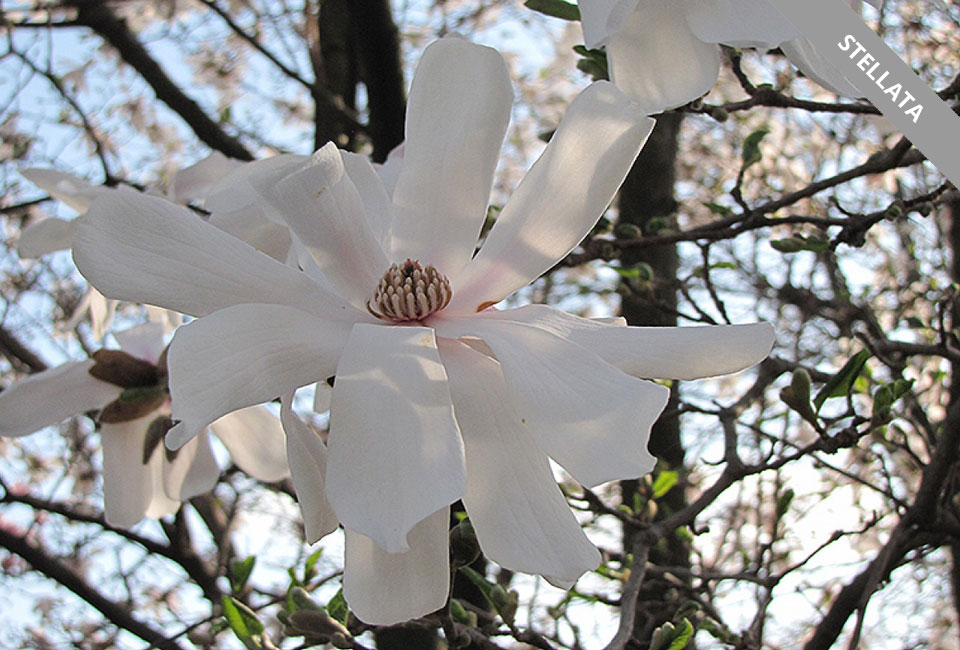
x: 100, y: 18
x: 61, y: 573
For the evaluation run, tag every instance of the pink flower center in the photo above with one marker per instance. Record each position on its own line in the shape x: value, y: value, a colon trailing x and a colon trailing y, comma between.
x: 409, y: 291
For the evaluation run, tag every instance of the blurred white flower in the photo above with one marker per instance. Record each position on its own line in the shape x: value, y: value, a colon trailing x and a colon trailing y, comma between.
x: 437, y: 396
x: 664, y: 53
x: 127, y: 388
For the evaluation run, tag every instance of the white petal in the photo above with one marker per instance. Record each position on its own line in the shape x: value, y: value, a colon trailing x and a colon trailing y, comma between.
x: 143, y: 341
x: 75, y: 192
x: 196, y: 182
x: 560, y: 199
x: 322, y: 206
x: 739, y: 23
x: 658, y: 61
x: 46, y: 236
x: 194, y: 469
x: 255, y: 440
x: 588, y: 416
x: 819, y: 68
x: 240, y: 189
x: 395, y: 450
x: 522, y: 520
x: 144, y: 249
x: 102, y: 311
x: 160, y: 504
x: 307, y: 456
x: 654, y: 352
x: 386, y: 588
x: 601, y: 18
x: 51, y: 396
x: 127, y: 481
x: 168, y: 320
x: 389, y: 170
x: 376, y: 202
x: 245, y: 355
x: 321, y: 397
x: 457, y: 115
x: 253, y: 227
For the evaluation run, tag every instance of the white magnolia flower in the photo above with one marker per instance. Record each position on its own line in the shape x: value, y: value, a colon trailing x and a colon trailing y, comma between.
x: 140, y: 477
x: 218, y: 181
x: 52, y: 234
x: 437, y: 396
x: 664, y: 53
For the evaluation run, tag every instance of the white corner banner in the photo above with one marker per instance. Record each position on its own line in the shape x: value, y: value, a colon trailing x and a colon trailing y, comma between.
x: 841, y: 36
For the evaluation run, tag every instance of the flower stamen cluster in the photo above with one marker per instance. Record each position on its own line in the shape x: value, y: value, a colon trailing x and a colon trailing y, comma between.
x: 410, y: 292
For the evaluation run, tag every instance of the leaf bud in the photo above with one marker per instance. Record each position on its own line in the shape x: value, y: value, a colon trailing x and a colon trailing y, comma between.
x: 302, y: 599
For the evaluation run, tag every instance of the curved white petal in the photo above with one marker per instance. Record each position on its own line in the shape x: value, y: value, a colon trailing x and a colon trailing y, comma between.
x: 46, y: 236
x: 587, y: 415
x: 601, y: 18
x: 196, y: 182
x: 560, y: 199
x: 654, y: 352
x: 386, y: 588
x: 127, y: 482
x: 145, y: 249
x: 655, y: 58
x: 142, y: 341
x: 51, y: 396
x: 457, y: 116
x: 739, y: 23
x: 819, y: 68
x: 307, y: 456
x: 193, y: 470
x: 75, y: 192
x: 522, y: 520
x: 395, y: 450
x: 255, y: 440
x: 245, y: 355
x: 376, y: 202
x: 322, y: 206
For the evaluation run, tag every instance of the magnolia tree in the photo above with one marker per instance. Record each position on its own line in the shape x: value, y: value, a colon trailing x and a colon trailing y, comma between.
x: 359, y: 324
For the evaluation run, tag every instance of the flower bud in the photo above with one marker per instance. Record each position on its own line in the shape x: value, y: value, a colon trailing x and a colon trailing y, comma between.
x: 464, y: 546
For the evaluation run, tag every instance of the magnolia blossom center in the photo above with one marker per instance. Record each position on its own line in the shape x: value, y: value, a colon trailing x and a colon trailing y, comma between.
x: 409, y: 292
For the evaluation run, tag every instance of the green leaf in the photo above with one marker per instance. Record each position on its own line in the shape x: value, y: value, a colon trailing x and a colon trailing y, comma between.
x: 683, y: 635
x: 555, y: 8
x: 664, y: 483
x: 504, y: 602
x: 481, y: 583
x: 243, y: 621
x: 788, y: 245
x: 751, y: 148
x: 784, y: 501
x: 842, y: 382
x: 717, y: 209
x: 310, y: 565
x: 338, y: 608
x: 240, y: 571
x: 801, y: 243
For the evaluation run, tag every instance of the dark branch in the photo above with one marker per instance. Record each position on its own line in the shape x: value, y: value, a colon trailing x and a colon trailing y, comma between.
x: 56, y: 570
x: 97, y: 16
